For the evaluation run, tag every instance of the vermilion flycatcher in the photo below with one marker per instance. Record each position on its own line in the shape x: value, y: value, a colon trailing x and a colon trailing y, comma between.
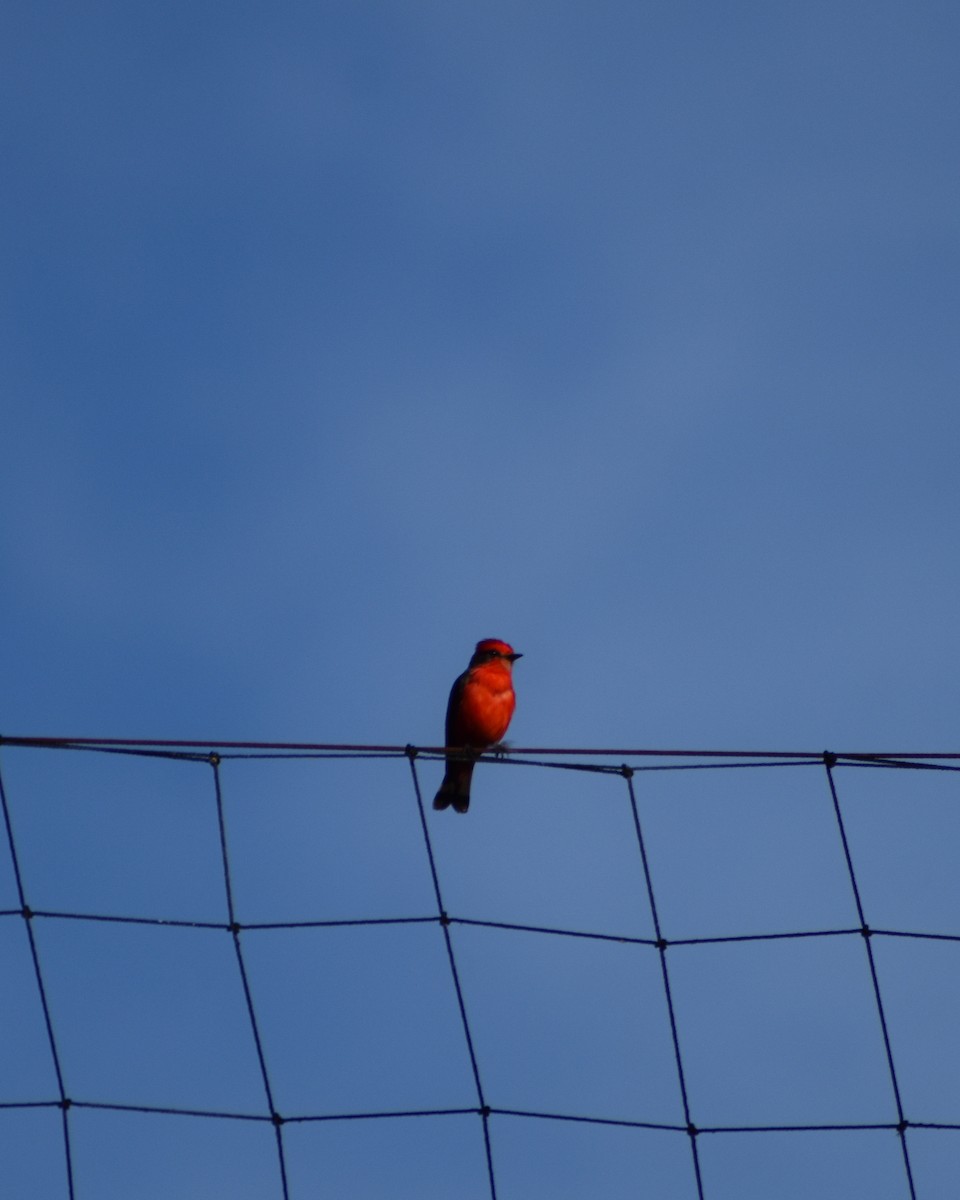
x: 478, y: 712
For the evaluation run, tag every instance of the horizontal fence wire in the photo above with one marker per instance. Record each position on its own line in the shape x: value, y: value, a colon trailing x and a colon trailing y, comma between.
x: 210, y: 745
x: 482, y: 1105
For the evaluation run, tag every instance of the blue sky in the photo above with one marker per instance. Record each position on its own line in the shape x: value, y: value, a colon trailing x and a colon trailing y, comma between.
x: 336, y: 337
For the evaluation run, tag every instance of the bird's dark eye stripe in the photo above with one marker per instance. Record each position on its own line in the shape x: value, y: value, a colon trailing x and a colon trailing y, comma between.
x: 489, y: 655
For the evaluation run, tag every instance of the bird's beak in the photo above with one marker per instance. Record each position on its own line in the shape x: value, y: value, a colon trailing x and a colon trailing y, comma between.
x: 514, y: 657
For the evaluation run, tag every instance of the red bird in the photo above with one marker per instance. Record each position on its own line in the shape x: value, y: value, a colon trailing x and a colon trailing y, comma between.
x: 478, y: 712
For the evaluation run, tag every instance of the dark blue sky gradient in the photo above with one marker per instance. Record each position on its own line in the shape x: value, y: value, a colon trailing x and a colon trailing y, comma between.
x: 336, y: 337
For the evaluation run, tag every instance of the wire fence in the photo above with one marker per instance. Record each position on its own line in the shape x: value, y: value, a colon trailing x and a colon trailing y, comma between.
x: 692, y: 1029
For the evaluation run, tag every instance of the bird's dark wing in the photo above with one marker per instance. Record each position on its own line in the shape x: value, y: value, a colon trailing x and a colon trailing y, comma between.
x: 453, y: 731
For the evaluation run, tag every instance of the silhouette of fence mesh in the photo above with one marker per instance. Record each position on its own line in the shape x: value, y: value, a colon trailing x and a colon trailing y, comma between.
x: 272, y: 970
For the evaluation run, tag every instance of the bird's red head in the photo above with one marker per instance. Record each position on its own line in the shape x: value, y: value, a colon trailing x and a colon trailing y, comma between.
x: 492, y: 648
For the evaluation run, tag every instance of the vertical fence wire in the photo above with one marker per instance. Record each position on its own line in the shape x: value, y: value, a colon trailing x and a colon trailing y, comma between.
x: 830, y: 762
x: 64, y: 1101
x: 665, y: 974
x: 235, y: 930
x: 483, y: 1108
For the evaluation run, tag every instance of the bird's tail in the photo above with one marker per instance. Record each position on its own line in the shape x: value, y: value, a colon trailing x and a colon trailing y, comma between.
x: 455, y: 788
